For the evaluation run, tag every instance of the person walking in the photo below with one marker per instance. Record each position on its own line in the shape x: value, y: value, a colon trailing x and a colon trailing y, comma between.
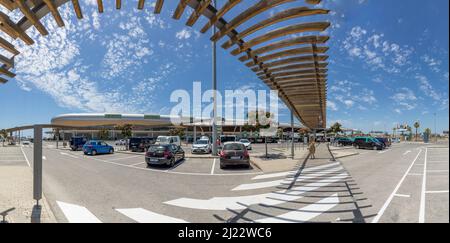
x: 312, y: 149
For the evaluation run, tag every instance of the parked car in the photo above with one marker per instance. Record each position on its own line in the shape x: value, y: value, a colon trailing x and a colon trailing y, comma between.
x: 169, y: 140
x: 140, y: 144
x: 26, y: 142
x: 343, y: 141
x: 164, y: 154
x: 247, y: 143
x: 76, y: 143
x: 234, y: 153
x: 385, y: 141
x: 367, y: 143
x: 95, y: 147
x: 201, y: 146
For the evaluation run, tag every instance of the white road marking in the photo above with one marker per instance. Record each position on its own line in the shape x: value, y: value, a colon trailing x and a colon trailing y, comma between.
x: 130, y: 157
x: 286, y: 173
x: 237, y: 203
x: 436, y: 171
x: 259, y: 185
x: 66, y: 154
x: 407, y: 152
x: 388, y: 201
x: 140, y: 163
x: 415, y: 174
x: 12, y: 160
x: 24, y: 155
x: 141, y: 215
x: 77, y: 214
x: 304, y: 214
x: 436, y: 192
x: 438, y: 162
x: 402, y: 195
x: 382, y: 152
x: 213, y: 165
x: 422, y: 194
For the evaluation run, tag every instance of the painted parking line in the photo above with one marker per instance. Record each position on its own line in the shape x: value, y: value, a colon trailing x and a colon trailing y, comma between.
x: 259, y: 185
x: 287, y: 173
x: 306, y: 213
x: 437, y: 171
x: 141, y: 215
x: 436, y: 192
x: 388, y: 201
x: 129, y: 157
x: 384, y: 151
x: 402, y: 195
x: 407, y: 152
x: 70, y: 155
x: 239, y: 202
x: 26, y: 158
x: 213, y: 165
x: 77, y: 214
x: 423, y: 190
x: 140, y: 163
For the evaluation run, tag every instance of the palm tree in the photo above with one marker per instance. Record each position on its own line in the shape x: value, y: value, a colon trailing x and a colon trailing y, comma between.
x: 416, y: 126
x: 336, y: 128
x: 4, y: 135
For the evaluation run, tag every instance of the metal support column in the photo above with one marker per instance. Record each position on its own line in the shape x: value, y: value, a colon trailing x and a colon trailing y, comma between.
x: 214, y: 86
x: 195, y: 133
x: 37, y: 164
x: 292, y: 131
x: 57, y: 138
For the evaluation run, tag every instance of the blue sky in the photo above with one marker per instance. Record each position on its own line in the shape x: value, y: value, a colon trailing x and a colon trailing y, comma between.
x: 388, y: 63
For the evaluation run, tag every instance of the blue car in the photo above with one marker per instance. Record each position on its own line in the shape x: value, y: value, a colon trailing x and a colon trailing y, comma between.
x: 95, y: 147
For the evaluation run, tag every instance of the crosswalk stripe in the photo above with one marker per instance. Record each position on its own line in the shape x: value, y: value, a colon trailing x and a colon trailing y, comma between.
x: 141, y: 215
x: 77, y: 214
x: 240, y: 202
x: 259, y: 185
x: 286, y: 173
x: 304, y: 214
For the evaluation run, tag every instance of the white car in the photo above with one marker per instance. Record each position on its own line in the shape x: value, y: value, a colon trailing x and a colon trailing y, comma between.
x: 247, y: 143
x: 161, y: 140
x: 201, y: 146
x: 26, y: 142
x: 121, y: 142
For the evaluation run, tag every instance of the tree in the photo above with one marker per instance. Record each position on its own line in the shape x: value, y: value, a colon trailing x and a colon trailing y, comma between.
x: 179, y: 131
x: 103, y: 134
x: 126, y: 131
x: 416, y: 126
x: 336, y: 128
x: 4, y: 135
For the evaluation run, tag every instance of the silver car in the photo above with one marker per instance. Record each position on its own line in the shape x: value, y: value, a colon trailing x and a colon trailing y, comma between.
x: 201, y: 146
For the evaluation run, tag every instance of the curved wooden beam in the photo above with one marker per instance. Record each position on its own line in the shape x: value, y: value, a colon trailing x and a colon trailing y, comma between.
x: 291, y: 60
x: 260, y: 7
x: 197, y: 12
x: 53, y: 9
x: 291, y: 67
x: 219, y: 14
x: 284, y: 31
x: 158, y: 6
x: 286, y: 53
x: 282, y: 16
x: 292, y: 73
x: 180, y: 9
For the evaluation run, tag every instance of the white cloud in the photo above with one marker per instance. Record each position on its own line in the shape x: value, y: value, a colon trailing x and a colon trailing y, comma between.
x: 331, y: 105
x: 349, y: 103
x: 183, y: 34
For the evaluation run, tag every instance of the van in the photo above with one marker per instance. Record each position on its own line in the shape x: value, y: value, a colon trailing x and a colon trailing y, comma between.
x: 76, y: 143
x: 140, y: 144
x: 367, y: 143
x: 169, y: 140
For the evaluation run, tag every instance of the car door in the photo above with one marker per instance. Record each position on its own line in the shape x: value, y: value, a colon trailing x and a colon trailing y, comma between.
x: 175, y: 151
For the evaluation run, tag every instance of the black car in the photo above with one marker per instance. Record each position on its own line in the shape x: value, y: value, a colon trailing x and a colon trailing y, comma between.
x: 344, y: 141
x: 140, y: 144
x: 167, y: 154
x: 384, y: 141
x: 234, y: 153
x: 77, y: 143
x: 367, y: 143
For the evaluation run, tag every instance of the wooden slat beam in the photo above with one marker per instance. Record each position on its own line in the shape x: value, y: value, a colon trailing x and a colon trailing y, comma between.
x: 158, y: 6
x: 279, y: 17
x: 9, y: 62
x: 197, y: 12
x: 286, y: 53
x: 287, y: 61
x: 141, y: 4
x: 283, y: 44
x: 10, y: 28
x: 77, y: 8
x: 260, y: 7
x: 8, y: 46
x: 3, y: 81
x: 180, y: 9
x: 291, y: 67
x: 53, y: 9
x: 100, y: 6
x: 5, y: 71
x: 284, y: 31
x: 293, y: 78
x: 298, y: 72
x: 118, y: 4
x: 227, y: 7
x: 31, y: 16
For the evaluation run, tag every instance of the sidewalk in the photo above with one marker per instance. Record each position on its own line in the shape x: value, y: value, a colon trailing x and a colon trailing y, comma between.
x: 278, y: 159
x: 16, y: 190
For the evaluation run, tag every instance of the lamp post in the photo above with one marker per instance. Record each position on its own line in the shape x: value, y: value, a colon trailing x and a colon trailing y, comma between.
x: 435, y: 128
x: 214, y: 84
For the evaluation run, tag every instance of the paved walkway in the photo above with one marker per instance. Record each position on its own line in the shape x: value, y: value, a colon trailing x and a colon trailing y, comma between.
x: 16, y: 190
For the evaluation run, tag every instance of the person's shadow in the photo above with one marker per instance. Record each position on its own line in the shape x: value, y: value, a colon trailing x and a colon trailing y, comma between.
x: 36, y: 214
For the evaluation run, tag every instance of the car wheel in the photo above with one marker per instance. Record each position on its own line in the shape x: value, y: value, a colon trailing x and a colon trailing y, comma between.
x: 94, y: 153
x: 375, y: 148
x: 222, y: 166
x: 172, y: 162
x: 111, y: 151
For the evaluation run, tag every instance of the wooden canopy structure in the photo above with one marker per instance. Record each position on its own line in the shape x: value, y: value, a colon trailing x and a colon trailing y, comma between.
x: 290, y: 59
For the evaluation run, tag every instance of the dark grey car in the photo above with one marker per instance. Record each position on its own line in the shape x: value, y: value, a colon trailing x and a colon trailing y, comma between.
x: 234, y: 153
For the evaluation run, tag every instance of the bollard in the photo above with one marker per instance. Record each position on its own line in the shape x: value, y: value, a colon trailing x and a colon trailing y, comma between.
x: 37, y: 163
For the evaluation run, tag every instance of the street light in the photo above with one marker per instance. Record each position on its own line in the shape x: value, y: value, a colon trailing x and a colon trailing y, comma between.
x: 435, y: 129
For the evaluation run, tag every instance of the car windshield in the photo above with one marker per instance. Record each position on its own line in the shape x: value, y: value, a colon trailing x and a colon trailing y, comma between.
x: 157, y: 148
x: 233, y: 146
x: 135, y: 140
x: 244, y: 141
x: 201, y: 142
x: 162, y: 140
